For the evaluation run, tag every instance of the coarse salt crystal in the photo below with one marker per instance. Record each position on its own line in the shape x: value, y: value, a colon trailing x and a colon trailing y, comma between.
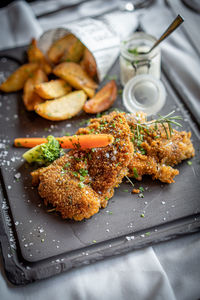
x: 2, y: 146
x: 129, y: 238
x: 17, y: 175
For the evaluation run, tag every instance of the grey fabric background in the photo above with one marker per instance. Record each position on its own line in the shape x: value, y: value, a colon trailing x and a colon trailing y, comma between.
x: 170, y: 270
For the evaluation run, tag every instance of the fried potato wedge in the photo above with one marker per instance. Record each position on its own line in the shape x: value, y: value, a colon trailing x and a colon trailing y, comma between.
x: 53, y: 89
x: 76, y: 77
x: 103, y: 99
x: 62, y: 108
x: 16, y: 80
x: 59, y: 47
x: 36, y: 55
x: 88, y: 63
x: 89, y: 91
x: 30, y: 98
x: 74, y: 53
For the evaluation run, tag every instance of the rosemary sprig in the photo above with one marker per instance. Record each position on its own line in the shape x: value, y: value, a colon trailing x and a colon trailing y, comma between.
x: 129, y: 181
x: 51, y: 210
x: 166, y: 122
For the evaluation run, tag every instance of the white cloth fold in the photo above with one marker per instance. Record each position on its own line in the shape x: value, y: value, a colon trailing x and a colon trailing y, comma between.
x: 17, y: 25
x: 168, y: 271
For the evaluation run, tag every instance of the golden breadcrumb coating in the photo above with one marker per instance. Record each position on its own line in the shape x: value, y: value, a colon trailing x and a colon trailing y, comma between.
x: 155, y: 153
x: 108, y: 166
x: 64, y: 191
x: 81, y: 182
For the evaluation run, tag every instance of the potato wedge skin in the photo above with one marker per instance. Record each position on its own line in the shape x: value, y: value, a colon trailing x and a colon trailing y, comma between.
x: 88, y: 63
x: 76, y: 77
x: 30, y: 98
x: 103, y: 99
x: 53, y: 89
x: 36, y: 55
x: 16, y: 80
x: 74, y: 53
x: 58, y: 48
x: 90, y: 92
x: 62, y: 108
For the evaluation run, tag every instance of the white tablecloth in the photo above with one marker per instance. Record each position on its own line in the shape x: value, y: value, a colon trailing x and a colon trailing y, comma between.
x: 167, y: 271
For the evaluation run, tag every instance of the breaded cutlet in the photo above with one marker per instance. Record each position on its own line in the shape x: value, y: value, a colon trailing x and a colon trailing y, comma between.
x: 108, y: 166
x: 60, y: 186
x: 81, y: 182
x: 156, y: 152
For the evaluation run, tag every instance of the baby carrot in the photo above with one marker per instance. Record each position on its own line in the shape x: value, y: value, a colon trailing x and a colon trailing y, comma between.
x: 70, y: 142
x: 29, y: 142
x: 86, y: 141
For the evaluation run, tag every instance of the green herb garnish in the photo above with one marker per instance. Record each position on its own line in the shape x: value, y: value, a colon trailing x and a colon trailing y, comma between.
x: 129, y: 181
x: 83, y: 172
x: 75, y: 174
x: 44, y: 154
x: 82, y: 178
x: 166, y: 122
x: 133, y: 51
x: 135, y: 172
x: 81, y: 185
x: 66, y: 165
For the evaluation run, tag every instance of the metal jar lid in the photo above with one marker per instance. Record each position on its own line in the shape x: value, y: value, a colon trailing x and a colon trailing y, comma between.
x: 144, y: 93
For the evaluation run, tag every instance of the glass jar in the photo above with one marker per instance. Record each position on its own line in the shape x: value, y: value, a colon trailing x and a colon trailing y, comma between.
x: 134, y: 61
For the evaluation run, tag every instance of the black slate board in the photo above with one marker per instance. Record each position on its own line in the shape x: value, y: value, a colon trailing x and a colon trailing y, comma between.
x: 36, y: 244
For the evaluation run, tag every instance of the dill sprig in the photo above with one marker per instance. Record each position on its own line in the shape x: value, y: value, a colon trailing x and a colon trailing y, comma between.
x: 166, y: 122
